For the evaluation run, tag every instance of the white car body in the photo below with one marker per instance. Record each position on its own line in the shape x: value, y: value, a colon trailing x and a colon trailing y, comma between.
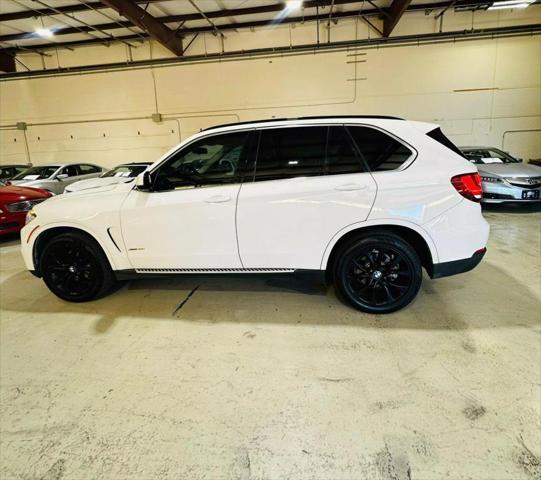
x: 95, y: 183
x: 104, y: 180
x: 277, y: 225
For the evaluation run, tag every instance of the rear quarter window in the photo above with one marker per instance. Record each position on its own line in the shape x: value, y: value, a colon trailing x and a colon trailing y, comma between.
x: 380, y: 151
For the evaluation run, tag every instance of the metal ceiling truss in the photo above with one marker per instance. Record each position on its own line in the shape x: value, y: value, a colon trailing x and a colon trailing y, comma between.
x: 81, y: 7
x: 396, y: 10
x: 350, y: 46
x: 148, y: 23
x: 276, y: 7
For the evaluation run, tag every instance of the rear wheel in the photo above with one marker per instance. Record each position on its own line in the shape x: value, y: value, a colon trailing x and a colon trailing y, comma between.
x: 379, y: 273
x: 75, y: 268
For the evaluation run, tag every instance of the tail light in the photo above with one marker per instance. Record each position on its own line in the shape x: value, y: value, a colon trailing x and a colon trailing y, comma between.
x: 468, y: 185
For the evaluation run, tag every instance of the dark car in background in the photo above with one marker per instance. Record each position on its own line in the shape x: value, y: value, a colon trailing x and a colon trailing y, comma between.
x: 505, y: 178
x: 9, y: 171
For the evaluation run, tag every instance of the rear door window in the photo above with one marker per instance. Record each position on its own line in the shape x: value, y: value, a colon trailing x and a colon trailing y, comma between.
x: 380, y: 151
x: 291, y: 152
x: 341, y: 155
x: 88, y: 169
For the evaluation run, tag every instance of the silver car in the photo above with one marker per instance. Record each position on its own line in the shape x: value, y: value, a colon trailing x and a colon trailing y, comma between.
x: 504, y: 178
x: 56, y: 177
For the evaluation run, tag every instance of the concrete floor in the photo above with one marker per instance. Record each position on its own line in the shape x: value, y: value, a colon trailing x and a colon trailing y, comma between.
x: 273, y: 379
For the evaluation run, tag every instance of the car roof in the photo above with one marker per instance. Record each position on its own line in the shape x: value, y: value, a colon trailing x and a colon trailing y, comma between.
x: 293, y: 119
x: 134, y: 163
x: 479, y: 148
x: 60, y: 164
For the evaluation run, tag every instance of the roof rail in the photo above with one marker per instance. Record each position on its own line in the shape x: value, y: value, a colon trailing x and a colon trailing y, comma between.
x: 322, y: 117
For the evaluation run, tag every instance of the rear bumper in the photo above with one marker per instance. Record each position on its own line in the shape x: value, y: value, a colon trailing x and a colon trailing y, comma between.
x: 454, y: 267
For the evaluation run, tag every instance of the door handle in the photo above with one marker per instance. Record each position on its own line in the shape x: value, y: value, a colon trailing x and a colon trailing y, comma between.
x: 218, y: 199
x: 350, y: 187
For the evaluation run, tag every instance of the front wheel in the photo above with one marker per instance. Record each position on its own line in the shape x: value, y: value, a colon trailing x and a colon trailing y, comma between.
x: 75, y: 268
x: 380, y: 273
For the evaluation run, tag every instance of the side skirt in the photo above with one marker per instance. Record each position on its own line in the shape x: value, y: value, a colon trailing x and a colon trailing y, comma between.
x: 315, y: 276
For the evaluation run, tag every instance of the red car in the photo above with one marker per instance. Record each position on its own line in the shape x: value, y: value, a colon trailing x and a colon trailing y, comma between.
x: 15, y: 202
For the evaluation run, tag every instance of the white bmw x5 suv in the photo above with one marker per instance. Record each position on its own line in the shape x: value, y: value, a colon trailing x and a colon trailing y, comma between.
x: 366, y: 202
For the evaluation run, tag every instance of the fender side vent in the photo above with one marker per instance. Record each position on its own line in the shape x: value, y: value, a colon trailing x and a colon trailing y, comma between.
x: 112, y: 239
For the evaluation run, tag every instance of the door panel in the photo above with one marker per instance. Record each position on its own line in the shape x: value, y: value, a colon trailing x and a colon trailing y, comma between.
x: 188, y: 220
x: 181, y: 228
x: 288, y: 223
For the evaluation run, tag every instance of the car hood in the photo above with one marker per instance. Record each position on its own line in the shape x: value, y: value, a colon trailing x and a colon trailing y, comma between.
x: 13, y: 193
x: 28, y: 183
x: 98, y: 190
x: 96, y: 183
x: 510, y: 169
x: 82, y: 204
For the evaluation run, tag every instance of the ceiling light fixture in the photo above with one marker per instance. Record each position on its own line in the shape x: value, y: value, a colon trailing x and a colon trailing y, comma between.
x: 508, y: 4
x: 293, y: 4
x: 44, y: 32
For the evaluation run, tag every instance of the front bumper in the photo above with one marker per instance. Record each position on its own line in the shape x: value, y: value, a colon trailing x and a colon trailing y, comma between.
x: 11, y: 222
x: 504, y: 192
x: 455, y: 267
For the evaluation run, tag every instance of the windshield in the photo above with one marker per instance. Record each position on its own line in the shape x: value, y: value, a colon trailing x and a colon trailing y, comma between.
x: 125, y: 171
x: 489, y: 155
x: 36, y: 173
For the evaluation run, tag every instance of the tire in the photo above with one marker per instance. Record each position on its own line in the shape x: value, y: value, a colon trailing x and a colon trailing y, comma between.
x: 74, y: 268
x: 379, y: 273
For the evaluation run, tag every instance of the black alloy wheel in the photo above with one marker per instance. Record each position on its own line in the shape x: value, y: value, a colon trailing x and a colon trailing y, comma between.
x: 378, y: 274
x: 75, y: 268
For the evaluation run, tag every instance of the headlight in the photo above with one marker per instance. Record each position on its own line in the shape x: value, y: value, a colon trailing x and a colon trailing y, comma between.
x: 30, y: 216
x: 23, y: 206
x: 491, y: 179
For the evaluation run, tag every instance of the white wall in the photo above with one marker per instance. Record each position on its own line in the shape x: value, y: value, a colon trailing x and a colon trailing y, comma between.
x: 481, y: 92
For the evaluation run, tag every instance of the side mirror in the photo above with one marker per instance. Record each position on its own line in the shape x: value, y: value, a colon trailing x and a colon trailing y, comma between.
x: 144, y: 181
x: 61, y: 176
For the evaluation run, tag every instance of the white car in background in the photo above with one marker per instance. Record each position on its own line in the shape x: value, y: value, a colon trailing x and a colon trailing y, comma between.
x: 56, y: 177
x: 366, y: 202
x: 121, y: 174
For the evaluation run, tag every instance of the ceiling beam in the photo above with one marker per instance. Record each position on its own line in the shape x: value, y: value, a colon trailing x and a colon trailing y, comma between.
x: 146, y: 22
x: 45, y: 12
x: 396, y: 10
x: 7, y: 62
